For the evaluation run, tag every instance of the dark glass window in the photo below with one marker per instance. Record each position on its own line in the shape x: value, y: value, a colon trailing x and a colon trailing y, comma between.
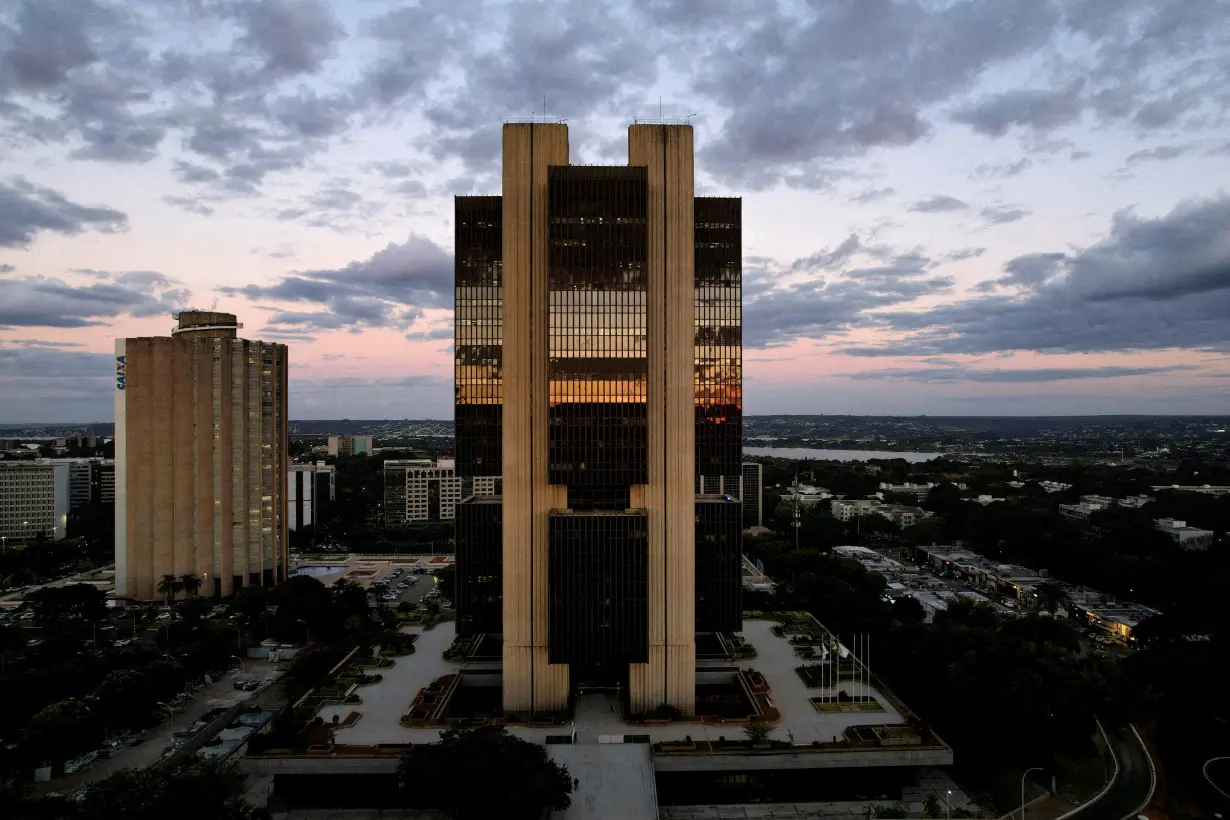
x: 598, y: 325
x: 598, y: 587
x: 719, y: 336
x: 480, y: 539
x: 719, y: 577
x: 478, y: 335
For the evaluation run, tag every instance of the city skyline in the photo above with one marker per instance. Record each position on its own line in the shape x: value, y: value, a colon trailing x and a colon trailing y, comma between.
x: 946, y: 215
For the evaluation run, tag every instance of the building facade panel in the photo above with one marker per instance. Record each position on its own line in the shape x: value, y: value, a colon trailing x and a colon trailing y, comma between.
x: 479, y: 594
x: 479, y: 335
x: 719, y: 550
x: 598, y: 591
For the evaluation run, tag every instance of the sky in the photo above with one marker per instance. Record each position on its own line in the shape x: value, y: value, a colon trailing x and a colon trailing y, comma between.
x: 950, y: 207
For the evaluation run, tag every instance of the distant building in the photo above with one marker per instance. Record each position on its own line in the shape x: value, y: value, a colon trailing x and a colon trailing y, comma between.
x: 418, y: 490
x: 806, y: 495
x: 915, y: 489
x: 312, y: 487
x: 350, y: 445
x: 1054, y: 486
x: 1205, y: 489
x: 753, y: 494
x: 848, y: 509
x: 985, y: 499
x: 80, y: 442
x: 1089, y: 504
x: 1189, y: 538
x: 102, y: 482
x: 901, y: 515
x: 201, y: 449
x: 34, y: 500
x: 7, y: 444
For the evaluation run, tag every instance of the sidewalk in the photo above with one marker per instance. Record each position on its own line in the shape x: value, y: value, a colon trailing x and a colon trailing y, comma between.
x: 221, y: 694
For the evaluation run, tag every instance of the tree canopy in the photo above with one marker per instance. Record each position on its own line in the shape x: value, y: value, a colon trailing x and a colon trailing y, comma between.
x: 481, y: 772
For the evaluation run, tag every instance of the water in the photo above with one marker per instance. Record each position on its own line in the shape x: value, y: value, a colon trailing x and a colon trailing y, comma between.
x: 800, y: 453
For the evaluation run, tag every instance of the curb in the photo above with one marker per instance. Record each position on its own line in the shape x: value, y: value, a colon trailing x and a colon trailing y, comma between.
x: 1152, y: 772
x: 1109, y: 783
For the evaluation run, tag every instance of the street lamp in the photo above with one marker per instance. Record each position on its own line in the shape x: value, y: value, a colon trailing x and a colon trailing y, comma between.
x: 307, y: 629
x: 948, y: 805
x: 1025, y: 775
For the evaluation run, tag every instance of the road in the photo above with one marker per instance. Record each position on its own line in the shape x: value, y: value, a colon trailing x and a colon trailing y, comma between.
x: 220, y: 694
x: 1133, y: 785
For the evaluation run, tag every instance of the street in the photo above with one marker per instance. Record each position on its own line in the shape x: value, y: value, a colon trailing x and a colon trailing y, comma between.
x: 1132, y: 787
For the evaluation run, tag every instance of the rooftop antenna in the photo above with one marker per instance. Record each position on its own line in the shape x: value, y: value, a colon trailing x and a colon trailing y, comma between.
x: 544, y: 106
x: 659, y: 107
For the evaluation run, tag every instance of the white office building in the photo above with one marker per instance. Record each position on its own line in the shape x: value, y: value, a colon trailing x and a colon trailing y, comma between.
x: 311, y: 486
x: 1189, y: 538
x: 419, y: 491
x: 34, y: 500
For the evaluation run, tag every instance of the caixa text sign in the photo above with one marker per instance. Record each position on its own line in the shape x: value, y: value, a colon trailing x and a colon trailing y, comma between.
x: 119, y: 372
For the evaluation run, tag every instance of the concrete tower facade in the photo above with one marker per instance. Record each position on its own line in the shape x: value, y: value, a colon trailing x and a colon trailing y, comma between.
x: 201, y: 446
x: 599, y: 361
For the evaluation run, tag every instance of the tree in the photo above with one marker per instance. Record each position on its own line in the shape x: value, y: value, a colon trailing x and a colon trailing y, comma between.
x: 194, y: 610
x: 757, y: 731
x: 126, y: 697
x: 53, y: 606
x: 518, y: 780
x: 168, y: 586
x: 194, y: 790
x: 190, y: 584
x: 249, y: 602
x: 61, y: 731
x: 446, y: 582
x: 1051, y: 597
x: 931, y: 805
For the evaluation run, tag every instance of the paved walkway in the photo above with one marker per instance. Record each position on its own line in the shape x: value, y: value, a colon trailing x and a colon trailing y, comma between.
x: 615, y: 781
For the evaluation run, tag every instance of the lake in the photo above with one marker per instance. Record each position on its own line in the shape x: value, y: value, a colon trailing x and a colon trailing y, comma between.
x: 800, y: 453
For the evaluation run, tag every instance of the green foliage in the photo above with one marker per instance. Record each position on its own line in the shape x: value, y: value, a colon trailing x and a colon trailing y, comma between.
x: 127, y: 699
x: 891, y: 811
x: 61, y: 731
x: 249, y: 602
x: 53, y: 606
x: 446, y: 582
x: 481, y: 772
x: 757, y: 731
x: 168, y: 587
x: 931, y: 805
x: 194, y: 790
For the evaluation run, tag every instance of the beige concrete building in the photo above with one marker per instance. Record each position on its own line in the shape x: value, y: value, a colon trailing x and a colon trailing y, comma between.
x: 200, y: 458
x: 34, y: 500
x: 599, y: 362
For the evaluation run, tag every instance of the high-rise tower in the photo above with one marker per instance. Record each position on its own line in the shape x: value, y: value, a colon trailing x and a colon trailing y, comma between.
x: 200, y: 458
x: 599, y: 371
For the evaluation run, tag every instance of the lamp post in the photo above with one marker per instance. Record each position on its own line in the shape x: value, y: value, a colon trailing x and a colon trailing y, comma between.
x: 307, y: 629
x: 948, y: 804
x: 1025, y: 775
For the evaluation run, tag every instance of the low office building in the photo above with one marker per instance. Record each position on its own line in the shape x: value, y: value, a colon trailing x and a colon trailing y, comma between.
x: 1203, y: 489
x: 351, y: 445
x: 34, y: 500
x: 90, y: 480
x: 1189, y: 538
x: 913, y: 489
x: 848, y: 509
x: 312, y: 488
x: 419, y: 491
x: 1090, y: 504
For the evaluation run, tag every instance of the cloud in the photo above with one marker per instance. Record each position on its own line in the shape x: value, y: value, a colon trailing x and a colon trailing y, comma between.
x: 938, y: 204
x: 1002, y: 214
x: 391, y: 288
x: 1152, y: 284
x: 290, y: 36
x: 1038, y: 109
x: 27, y: 209
x: 1016, y: 376
x: 433, y: 335
x: 1158, y: 154
x: 828, y: 292
x: 7, y: 268
x: 194, y: 205
x: 38, y: 301
x: 1028, y: 271
x: 873, y: 195
x: 1001, y: 170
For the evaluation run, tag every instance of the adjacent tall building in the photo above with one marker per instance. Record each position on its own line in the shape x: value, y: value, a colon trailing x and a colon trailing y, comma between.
x: 35, y: 498
x: 200, y: 458
x: 599, y: 370
x: 419, y: 491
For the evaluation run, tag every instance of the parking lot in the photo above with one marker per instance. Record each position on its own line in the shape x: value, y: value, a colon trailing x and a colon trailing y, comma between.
x: 406, y: 586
